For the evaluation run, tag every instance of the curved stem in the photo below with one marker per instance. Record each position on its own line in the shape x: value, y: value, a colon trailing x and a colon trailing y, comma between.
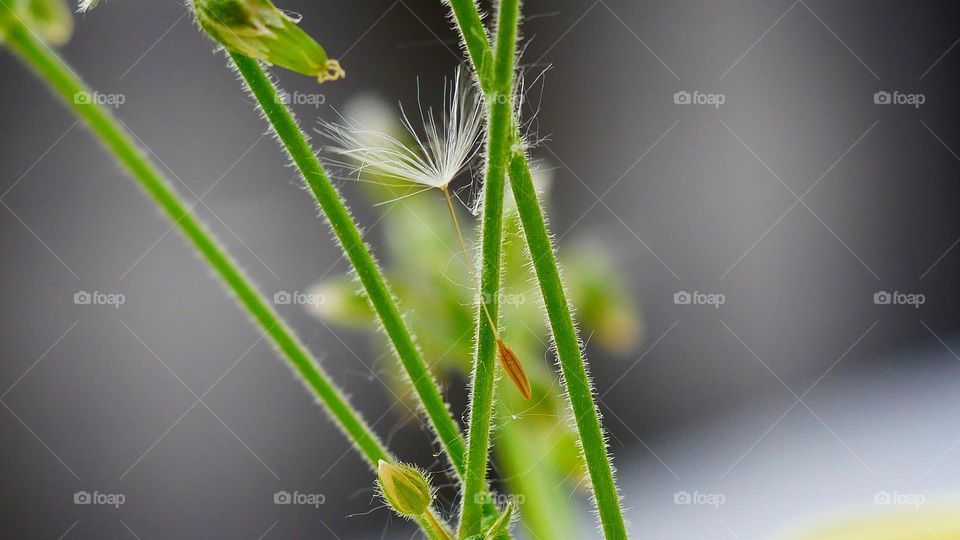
x: 499, y: 141
x: 353, y: 245
x: 48, y: 65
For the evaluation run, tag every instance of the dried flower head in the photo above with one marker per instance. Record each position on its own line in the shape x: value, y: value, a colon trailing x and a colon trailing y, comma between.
x: 405, y: 488
x: 438, y: 155
x: 256, y: 28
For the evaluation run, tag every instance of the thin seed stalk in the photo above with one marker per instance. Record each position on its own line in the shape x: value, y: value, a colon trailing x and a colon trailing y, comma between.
x: 499, y: 142
x: 353, y: 245
x: 65, y: 84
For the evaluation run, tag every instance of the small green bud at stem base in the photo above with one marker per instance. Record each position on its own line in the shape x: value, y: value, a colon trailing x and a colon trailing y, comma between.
x: 405, y: 489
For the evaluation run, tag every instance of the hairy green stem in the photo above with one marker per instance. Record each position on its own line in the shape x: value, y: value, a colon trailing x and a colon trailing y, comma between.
x: 475, y: 37
x: 499, y: 141
x: 58, y: 75
x: 351, y: 241
x: 572, y: 363
x: 62, y: 80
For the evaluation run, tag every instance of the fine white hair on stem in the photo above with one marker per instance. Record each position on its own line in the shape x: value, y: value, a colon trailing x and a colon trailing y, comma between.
x: 438, y: 152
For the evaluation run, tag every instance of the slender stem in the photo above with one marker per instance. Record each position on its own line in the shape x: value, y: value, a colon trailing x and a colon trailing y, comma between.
x: 572, y: 363
x: 469, y: 260
x: 67, y: 85
x: 475, y: 37
x: 440, y: 530
x: 499, y: 141
x: 352, y: 243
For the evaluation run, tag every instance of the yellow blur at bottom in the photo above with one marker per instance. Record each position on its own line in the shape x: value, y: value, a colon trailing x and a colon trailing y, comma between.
x: 939, y: 525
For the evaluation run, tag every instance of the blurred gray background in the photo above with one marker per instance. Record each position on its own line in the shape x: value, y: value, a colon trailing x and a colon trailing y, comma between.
x: 798, y: 199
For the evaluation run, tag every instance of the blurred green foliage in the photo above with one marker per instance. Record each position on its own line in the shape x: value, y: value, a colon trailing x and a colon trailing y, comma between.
x: 534, y: 441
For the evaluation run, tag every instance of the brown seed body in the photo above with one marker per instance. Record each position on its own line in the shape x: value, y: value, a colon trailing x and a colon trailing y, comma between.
x: 514, y: 369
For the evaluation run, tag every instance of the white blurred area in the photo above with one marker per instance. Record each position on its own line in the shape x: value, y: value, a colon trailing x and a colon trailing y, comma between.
x: 871, y: 446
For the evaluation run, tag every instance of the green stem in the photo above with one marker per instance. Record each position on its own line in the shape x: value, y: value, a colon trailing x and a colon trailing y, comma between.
x: 58, y: 75
x: 356, y: 249
x: 438, y: 528
x: 499, y: 141
x: 572, y: 363
x: 475, y: 37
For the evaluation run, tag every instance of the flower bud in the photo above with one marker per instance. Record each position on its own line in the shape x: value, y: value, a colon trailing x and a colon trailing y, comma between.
x: 256, y: 28
x: 404, y: 488
x: 51, y: 19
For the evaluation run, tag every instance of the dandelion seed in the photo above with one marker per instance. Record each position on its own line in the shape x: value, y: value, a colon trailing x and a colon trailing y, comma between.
x: 447, y: 146
x: 444, y: 149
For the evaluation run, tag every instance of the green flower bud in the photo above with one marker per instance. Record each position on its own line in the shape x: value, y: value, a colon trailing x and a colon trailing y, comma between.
x: 405, y: 489
x: 51, y: 19
x: 256, y: 28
